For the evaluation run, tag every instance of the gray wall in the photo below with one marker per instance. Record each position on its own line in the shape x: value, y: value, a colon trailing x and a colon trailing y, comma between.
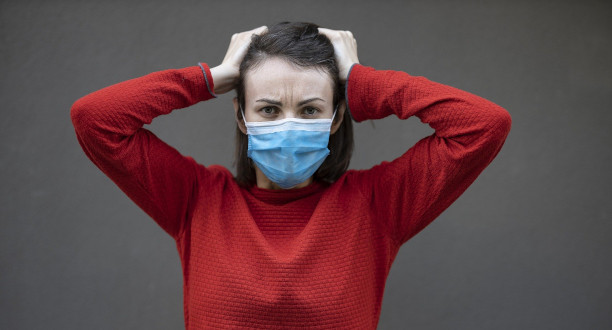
x: 526, y: 247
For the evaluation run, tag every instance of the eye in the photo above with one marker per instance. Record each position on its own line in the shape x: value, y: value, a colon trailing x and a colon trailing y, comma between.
x: 268, y: 111
x: 310, y: 111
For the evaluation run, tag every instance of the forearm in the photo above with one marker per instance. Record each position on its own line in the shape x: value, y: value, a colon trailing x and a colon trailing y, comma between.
x: 465, y: 120
x: 118, y: 111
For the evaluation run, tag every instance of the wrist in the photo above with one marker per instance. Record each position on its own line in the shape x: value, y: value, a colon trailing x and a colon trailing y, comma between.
x: 225, y: 78
x: 346, y: 71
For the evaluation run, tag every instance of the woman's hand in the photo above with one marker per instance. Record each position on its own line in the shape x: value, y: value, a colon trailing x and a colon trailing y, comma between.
x: 345, y: 49
x: 226, y: 74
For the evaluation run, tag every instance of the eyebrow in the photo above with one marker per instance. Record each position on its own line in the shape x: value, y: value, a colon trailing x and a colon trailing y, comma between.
x: 279, y: 103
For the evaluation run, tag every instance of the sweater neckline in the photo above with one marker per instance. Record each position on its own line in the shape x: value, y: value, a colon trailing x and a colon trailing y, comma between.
x: 283, y: 196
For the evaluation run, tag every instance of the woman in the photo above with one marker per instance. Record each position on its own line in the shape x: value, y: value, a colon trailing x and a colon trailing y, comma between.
x: 294, y: 239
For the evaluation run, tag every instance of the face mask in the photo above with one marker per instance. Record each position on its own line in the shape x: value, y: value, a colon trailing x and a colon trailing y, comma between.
x: 288, y: 151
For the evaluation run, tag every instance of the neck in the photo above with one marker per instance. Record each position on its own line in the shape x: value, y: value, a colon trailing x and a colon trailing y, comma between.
x: 264, y: 183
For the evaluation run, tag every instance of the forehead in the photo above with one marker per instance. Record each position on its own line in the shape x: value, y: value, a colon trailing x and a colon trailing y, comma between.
x: 278, y: 79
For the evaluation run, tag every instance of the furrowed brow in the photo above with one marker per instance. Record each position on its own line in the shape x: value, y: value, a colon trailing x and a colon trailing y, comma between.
x: 310, y: 100
x: 279, y: 103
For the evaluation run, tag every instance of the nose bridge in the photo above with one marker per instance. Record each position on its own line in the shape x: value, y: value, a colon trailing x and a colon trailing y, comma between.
x: 290, y: 111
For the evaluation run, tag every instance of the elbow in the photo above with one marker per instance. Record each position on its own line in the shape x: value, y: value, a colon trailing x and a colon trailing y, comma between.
x: 499, y: 128
x: 76, y: 113
x: 491, y: 136
x: 504, y: 118
x: 79, y: 114
x: 502, y: 122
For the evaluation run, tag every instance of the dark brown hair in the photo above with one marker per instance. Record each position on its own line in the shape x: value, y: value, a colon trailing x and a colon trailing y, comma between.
x: 302, y: 45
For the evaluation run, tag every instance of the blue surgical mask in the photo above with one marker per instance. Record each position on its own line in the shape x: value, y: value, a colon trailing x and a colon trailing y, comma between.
x: 288, y: 151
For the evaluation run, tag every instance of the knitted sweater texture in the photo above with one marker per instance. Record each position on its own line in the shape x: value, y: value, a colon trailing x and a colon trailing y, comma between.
x: 313, y: 257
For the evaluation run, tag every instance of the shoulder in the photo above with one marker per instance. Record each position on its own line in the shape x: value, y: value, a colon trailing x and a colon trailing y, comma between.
x: 367, y: 181
x: 353, y: 181
x: 363, y: 176
x: 213, y: 175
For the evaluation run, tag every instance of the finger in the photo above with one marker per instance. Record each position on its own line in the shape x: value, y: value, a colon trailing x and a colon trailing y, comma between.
x: 247, y: 34
x: 326, y: 32
x: 258, y: 31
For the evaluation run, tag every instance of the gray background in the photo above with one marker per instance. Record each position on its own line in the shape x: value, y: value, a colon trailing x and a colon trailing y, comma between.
x: 526, y: 247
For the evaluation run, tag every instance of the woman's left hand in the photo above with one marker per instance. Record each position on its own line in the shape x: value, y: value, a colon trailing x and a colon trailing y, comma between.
x: 345, y: 49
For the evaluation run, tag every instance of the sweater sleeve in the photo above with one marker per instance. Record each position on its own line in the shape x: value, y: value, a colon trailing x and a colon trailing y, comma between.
x: 409, y: 192
x: 109, y: 127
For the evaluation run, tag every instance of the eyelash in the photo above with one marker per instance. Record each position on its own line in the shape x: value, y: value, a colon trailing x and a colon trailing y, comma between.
x: 276, y: 110
x: 262, y: 110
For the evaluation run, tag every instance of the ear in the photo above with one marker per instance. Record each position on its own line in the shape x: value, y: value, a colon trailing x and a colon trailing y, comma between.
x: 238, y: 116
x: 339, y: 117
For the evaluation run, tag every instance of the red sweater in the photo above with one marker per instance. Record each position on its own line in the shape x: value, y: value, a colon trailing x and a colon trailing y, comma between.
x: 313, y: 257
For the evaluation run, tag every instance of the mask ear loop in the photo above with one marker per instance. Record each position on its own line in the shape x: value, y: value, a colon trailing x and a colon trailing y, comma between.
x: 334, y: 115
x: 243, y: 117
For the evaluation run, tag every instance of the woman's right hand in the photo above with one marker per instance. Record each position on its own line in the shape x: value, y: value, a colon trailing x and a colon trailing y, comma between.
x: 225, y: 75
